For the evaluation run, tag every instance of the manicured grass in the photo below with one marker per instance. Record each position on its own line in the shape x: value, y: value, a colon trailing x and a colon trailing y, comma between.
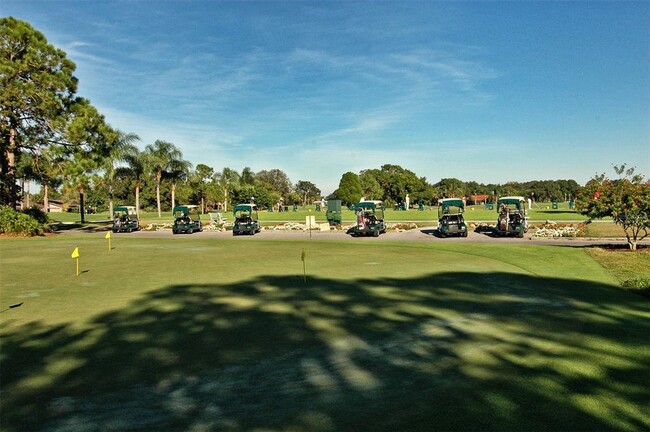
x: 604, y: 229
x: 205, y: 333
x: 626, y: 266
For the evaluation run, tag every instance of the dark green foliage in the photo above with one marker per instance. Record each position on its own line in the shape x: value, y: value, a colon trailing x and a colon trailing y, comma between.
x: 36, y: 89
x: 16, y: 223
x: 307, y: 191
x: 276, y: 179
x: 38, y: 215
x: 349, y: 190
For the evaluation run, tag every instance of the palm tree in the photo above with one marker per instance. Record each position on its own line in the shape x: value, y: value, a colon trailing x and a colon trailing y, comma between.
x: 163, y: 155
x: 227, y: 179
x: 47, y: 171
x: 247, y: 177
x: 121, y: 146
x: 137, y: 167
x: 178, y: 171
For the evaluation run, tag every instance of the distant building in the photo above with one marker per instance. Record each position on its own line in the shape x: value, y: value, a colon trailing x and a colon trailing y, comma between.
x: 55, y: 206
x: 478, y: 199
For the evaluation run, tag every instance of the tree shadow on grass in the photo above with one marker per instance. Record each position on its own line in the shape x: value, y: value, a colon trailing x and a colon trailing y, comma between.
x: 452, y: 351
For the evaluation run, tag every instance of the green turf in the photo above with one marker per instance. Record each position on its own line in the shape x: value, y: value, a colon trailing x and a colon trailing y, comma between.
x: 197, y: 333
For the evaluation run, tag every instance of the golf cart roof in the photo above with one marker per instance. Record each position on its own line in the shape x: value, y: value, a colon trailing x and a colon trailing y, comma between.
x: 184, y: 208
x: 510, y: 200
x: 368, y: 205
x: 128, y: 209
x: 245, y: 207
x: 451, y: 202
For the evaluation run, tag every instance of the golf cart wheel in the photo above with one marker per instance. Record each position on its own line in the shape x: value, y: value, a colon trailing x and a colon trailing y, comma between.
x: 234, y: 233
x: 520, y: 235
x: 375, y: 233
x: 465, y: 234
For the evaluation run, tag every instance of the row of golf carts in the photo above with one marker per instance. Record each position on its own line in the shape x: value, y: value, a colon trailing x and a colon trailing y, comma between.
x: 512, y: 218
x: 187, y: 219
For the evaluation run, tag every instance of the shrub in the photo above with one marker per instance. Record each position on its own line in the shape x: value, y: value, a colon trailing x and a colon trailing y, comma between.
x: 39, y: 215
x: 17, y: 223
x: 639, y: 285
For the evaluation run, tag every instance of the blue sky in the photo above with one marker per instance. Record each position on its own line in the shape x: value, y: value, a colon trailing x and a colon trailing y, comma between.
x: 484, y: 91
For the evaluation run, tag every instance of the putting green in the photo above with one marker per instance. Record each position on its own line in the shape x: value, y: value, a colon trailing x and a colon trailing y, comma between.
x: 194, y: 333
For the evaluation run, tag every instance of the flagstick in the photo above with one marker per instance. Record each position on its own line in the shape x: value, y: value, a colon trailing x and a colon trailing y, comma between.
x: 75, y: 255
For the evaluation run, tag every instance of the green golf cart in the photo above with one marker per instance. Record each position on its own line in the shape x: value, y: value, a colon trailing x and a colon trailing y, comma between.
x: 246, y: 219
x: 186, y: 219
x: 370, y: 219
x: 333, y: 214
x: 450, y: 217
x: 512, y: 220
x: 125, y: 219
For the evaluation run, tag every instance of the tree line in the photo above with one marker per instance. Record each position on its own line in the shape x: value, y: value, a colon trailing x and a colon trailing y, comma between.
x: 392, y: 183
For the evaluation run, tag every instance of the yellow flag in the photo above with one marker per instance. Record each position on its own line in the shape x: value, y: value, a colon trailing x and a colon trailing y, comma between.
x: 108, y: 235
x: 75, y: 253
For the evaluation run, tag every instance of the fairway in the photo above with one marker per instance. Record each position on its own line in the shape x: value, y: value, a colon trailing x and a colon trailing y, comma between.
x: 194, y: 334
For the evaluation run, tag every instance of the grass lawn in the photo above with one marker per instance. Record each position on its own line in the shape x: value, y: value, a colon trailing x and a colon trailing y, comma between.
x: 604, y: 229
x: 192, y: 333
x: 542, y: 212
x: 623, y: 264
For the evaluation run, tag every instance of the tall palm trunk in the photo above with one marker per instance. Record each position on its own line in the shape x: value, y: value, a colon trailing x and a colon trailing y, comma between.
x: 158, y: 178
x: 27, y: 193
x: 46, y: 198
x: 11, y: 168
x: 81, y: 205
x: 137, y: 198
x: 110, y: 201
x: 173, y: 195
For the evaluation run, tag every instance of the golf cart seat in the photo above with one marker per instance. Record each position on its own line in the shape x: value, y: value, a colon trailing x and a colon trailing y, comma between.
x: 217, y: 219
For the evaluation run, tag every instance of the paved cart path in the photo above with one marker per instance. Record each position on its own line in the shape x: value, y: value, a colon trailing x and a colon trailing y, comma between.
x: 422, y: 234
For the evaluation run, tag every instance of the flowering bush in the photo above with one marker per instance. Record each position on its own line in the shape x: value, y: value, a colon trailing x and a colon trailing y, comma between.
x: 481, y: 227
x: 554, y: 230
x: 626, y: 200
x: 156, y: 227
x: 403, y: 226
x: 291, y: 226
